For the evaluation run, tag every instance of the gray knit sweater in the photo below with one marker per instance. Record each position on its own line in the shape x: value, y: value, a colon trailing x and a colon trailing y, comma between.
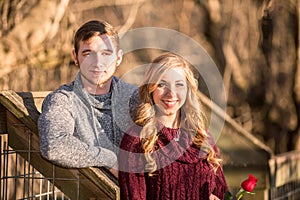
x: 70, y: 132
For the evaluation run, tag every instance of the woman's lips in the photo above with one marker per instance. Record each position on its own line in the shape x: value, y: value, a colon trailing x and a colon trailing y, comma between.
x: 170, y: 103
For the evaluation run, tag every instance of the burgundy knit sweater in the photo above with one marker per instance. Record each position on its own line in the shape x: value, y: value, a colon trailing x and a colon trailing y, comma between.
x: 183, y: 172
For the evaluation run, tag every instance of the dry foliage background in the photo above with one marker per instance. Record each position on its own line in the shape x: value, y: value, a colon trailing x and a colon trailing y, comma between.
x: 255, y: 44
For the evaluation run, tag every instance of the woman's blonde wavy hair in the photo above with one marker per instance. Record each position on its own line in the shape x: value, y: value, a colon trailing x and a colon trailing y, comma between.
x: 192, y: 117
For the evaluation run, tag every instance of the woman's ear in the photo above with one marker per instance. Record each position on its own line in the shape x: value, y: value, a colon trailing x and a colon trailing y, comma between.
x: 119, y: 56
x: 74, y: 56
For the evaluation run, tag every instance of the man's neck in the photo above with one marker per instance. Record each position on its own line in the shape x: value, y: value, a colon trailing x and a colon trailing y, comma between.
x: 99, y: 89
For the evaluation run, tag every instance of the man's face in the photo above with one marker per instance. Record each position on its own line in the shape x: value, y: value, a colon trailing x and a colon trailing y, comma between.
x: 97, y: 59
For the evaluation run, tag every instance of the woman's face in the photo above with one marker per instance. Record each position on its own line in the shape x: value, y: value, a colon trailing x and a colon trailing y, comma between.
x: 171, y: 92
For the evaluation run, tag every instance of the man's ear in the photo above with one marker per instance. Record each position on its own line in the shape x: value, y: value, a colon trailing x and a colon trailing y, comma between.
x: 74, y: 56
x: 119, y: 56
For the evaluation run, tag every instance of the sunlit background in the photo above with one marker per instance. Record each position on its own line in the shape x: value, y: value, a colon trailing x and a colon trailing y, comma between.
x: 253, y: 43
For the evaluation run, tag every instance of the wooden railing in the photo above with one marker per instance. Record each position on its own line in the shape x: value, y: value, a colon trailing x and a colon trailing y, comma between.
x: 19, y: 114
x: 285, y: 176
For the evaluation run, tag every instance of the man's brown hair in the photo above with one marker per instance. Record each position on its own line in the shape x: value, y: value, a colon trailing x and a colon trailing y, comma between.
x: 95, y: 28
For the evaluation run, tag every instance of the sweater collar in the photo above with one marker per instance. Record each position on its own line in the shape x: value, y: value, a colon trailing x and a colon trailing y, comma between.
x: 182, y: 150
x: 87, y: 98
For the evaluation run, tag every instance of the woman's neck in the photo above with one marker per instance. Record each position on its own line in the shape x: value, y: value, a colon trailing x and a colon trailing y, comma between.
x: 170, y: 121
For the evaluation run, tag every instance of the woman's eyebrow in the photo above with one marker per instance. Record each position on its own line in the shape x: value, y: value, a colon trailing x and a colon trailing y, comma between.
x: 162, y: 80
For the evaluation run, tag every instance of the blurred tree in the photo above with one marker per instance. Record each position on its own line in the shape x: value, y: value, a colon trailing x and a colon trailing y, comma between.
x: 253, y: 42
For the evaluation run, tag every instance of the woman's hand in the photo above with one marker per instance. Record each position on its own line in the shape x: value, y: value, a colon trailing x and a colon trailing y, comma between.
x: 213, y: 197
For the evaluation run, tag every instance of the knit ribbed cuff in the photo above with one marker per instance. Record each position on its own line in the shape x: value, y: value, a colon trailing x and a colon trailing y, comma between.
x: 107, y: 158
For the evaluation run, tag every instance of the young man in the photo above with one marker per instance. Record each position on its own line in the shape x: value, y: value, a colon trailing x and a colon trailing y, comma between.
x: 82, y: 123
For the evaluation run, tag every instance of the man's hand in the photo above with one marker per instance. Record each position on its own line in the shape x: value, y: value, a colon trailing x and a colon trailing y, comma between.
x: 115, y: 170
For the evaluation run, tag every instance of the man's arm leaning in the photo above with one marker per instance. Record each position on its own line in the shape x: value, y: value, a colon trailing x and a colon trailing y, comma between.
x: 57, y: 141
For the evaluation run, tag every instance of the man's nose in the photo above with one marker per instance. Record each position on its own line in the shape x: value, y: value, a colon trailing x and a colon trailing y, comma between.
x: 100, y: 60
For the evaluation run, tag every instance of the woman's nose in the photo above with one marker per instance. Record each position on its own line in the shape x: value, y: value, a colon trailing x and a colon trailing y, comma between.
x: 170, y: 91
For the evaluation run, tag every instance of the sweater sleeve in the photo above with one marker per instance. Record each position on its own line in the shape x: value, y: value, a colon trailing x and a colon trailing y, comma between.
x: 132, y: 178
x: 58, y: 144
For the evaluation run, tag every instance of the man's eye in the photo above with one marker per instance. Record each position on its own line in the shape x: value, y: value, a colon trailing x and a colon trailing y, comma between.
x: 86, y: 53
x: 106, y: 53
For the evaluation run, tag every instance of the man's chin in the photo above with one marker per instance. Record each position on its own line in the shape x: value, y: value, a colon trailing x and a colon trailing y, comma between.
x: 102, y: 82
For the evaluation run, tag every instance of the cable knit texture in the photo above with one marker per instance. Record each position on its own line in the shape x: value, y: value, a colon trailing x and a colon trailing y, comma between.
x: 183, y: 170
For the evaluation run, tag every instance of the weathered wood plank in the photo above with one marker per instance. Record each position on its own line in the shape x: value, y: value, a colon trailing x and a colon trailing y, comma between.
x: 104, y: 180
x: 34, y: 98
x: 284, y: 168
x: 14, y: 103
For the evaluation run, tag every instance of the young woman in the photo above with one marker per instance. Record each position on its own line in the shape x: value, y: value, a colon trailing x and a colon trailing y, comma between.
x: 169, y: 154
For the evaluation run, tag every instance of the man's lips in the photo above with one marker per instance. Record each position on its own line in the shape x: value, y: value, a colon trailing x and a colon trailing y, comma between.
x: 97, y: 72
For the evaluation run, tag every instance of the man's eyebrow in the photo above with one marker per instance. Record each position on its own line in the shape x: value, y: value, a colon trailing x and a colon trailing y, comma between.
x: 86, y: 50
x: 179, y: 80
x: 89, y: 50
x: 109, y: 50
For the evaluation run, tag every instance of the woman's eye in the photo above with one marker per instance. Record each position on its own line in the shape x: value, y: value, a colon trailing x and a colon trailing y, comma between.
x: 162, y: 85
x: 180, y: 84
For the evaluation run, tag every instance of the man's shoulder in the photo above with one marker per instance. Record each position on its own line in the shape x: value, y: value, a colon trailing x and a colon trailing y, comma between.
x: 64, y: 91
x: 122, y: 88
x: 120, y: 83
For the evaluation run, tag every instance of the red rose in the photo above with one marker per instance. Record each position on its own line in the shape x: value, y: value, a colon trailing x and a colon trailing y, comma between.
x: 247, y: 187
x: 249, y: 184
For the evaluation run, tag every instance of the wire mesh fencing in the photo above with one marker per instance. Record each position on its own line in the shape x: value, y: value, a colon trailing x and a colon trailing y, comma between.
x: 20, y: 180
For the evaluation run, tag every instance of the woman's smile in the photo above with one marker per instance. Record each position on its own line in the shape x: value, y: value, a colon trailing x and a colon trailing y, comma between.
x: 170, y: 103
